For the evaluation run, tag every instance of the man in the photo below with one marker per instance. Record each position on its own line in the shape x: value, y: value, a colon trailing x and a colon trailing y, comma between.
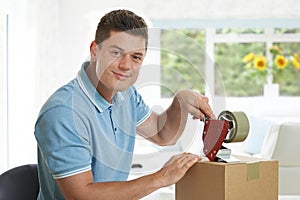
x: 86, y: 129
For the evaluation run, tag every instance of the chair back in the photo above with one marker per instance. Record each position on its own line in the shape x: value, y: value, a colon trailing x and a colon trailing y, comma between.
x: 288, y: 142
x: 20, y: 183
x: 287, y: 153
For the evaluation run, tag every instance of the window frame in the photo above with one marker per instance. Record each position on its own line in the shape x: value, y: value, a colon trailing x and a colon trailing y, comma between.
x: 211, y: 25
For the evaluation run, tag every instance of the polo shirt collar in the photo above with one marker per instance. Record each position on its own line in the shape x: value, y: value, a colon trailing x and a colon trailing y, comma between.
x: 93, y: 95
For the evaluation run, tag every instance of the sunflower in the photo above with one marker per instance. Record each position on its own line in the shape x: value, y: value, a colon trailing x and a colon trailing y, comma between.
x: 248, y: 57
x: 296, y: 56
x: 295, y: 62
x: 260, y: 63
x: 275, y: 50
x: 280, y: 62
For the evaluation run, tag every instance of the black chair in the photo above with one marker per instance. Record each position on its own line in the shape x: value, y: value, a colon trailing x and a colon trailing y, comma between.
x: 20, y: 183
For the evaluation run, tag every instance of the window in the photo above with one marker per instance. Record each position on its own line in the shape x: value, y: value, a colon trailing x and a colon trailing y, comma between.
x: 230, y: 45
x: 241, y: 80
x: 207, y: 57
x: 202, y: 58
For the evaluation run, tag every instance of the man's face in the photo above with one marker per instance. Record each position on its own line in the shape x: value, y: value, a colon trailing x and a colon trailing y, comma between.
x: 119, y: 59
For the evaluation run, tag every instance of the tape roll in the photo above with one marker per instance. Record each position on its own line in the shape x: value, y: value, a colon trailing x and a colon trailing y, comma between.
x: 239, y: 126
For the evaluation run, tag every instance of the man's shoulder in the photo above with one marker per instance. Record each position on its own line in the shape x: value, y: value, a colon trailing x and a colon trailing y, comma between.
x: 62, y: 97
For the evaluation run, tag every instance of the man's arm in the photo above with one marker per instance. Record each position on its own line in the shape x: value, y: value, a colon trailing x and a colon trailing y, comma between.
x: 81, y: 186
x: 166, y: 128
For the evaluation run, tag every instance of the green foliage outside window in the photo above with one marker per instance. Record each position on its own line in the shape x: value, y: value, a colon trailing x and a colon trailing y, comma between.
x: 286, y: 30
x: 289, y: 78
x: 237, y: 80
x: 239, y: 31
x: 183, y: 59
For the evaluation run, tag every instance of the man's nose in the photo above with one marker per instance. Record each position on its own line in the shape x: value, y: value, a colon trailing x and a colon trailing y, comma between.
x: 125, y: 63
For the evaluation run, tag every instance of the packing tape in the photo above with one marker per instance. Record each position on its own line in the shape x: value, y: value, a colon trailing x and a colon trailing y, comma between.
x: 252, y: 171
x: 239, y: 126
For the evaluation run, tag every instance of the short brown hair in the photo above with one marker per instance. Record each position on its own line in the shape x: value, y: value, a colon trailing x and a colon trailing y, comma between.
x: 121, y: 20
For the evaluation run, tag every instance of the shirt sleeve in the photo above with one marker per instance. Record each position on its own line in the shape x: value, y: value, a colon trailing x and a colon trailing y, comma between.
x: 64, y: 146
x: 142, y: 109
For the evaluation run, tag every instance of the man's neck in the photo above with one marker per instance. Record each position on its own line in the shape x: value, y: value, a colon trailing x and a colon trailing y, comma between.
x: 105, y: 92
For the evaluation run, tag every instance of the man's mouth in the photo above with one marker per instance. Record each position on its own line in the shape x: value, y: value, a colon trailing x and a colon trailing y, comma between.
x: 121, y: 76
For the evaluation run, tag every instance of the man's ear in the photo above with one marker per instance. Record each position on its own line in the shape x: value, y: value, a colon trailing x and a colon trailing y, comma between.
x: 93, y: 51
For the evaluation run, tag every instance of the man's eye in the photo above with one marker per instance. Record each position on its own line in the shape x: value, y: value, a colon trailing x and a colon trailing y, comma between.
x: 116, y: 53
x: 137, y: 58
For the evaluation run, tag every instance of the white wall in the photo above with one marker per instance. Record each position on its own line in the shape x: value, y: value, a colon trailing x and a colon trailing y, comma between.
x: 32, y: 44
x: 48, y: 41
x: 21, y: 92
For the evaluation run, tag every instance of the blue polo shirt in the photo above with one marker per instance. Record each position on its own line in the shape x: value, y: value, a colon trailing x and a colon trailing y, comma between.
x: 78, y: 130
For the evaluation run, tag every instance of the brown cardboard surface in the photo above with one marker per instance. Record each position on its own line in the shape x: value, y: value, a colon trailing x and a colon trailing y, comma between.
x: 254, y: 180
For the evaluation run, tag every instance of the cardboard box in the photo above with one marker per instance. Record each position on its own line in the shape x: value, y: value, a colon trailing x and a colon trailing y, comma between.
x: 251, y: 179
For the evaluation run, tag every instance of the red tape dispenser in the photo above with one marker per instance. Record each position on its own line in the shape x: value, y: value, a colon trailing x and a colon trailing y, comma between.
x: 228, y: 127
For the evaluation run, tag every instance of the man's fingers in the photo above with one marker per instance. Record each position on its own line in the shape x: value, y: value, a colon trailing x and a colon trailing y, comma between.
x: 189, y: 161
x: 177, y: 166
x: 183, y: 158
x: 202, y: 108
x: 186, y: 160
x: 175, y: 158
